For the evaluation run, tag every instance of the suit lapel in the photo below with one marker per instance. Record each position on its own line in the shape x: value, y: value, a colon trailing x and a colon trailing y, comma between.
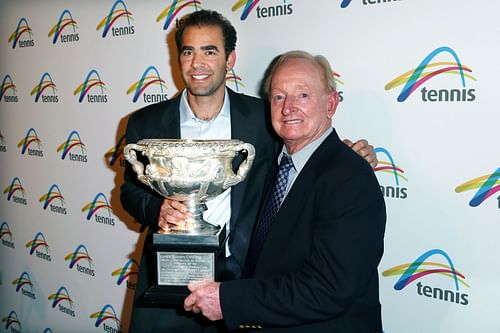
x: 286, y: 219
x: 240, y: 129
x: 170, y: 121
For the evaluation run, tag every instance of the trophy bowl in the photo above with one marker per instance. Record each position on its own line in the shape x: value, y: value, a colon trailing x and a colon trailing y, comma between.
x: 191, y: 171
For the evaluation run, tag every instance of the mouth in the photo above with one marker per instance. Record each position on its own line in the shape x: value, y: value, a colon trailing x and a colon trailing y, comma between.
x: 293, y: 121
x: 199, y: 76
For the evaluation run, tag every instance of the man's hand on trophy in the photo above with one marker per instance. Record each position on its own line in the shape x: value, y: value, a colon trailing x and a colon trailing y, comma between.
x: 173, y: 215
x: 364, y: 149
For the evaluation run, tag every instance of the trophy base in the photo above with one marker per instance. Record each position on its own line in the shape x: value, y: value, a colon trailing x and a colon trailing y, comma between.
x: 180, y: 259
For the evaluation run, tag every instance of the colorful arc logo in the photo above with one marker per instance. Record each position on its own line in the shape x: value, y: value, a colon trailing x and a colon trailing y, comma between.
x: 113, y: 154
x: 37, y: 242
x: 389, y: 166
x: 61, y: 295
x: 7, y: 84
x: 345, y: 3
x: 73, y: 141
x: 100, y: 202
x: 107, y: 313
x: 123, y: 273
x: 113, y: 15
x: 172, y: 10
x: 53, y: 194
x: 11, y: 319
x: 80, y: 253
x: 235, y: 80
x: 5, y: 231
x: 427, y: 70
x: 92, y: 80
x: 45, y: 83
x: 420, y: 268
x: 145, y: 81
x: 249, y: 6
x: 22, y: 28
x: 23, y: 280
x: 487, y: 185
x: 65, y: 21
x: 30, y: 138
x: 14, y: 187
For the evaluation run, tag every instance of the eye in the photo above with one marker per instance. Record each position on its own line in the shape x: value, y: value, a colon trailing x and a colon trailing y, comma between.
x: 278, y: 98
x: 303, y: 95
x: 186, y: 53
x: 211, y: 53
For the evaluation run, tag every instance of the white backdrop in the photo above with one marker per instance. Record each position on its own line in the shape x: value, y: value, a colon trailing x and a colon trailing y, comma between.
x: 69, y: 252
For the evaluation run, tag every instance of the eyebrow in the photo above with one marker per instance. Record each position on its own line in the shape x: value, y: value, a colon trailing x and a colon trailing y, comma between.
x: 204, y: 48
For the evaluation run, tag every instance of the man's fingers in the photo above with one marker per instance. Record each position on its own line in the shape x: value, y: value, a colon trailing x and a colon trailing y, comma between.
x: 348, y: 143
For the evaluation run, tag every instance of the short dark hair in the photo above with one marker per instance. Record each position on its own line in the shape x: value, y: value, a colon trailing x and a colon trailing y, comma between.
x: 208, y: 18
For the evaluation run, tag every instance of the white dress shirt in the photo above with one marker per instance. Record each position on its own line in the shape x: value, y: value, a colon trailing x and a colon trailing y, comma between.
x: 219, y: 128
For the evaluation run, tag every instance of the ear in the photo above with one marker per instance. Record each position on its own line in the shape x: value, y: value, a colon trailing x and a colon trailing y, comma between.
x: 231, y: 60
x: 333, y: 101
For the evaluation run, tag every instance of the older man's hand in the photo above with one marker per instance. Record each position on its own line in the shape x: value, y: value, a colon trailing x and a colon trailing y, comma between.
x: 204, y: 298
x: 364, y: 150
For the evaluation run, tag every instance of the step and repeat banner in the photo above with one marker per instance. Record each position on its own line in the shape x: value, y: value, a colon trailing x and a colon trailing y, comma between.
x: 417, y: 78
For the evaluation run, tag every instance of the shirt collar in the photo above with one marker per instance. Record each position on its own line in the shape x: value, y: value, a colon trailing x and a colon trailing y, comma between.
x: 301, y: 157
x: 186, y: 114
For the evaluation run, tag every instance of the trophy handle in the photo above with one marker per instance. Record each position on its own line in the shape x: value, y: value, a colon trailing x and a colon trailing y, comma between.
x: 244, y: 166
x: 137, y: 166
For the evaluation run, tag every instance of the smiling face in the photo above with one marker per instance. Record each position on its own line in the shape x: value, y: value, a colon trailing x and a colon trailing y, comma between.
x: 302, y: 105
x: 203, y: 60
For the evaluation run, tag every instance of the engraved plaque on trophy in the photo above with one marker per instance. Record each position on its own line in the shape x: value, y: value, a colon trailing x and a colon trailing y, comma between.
x: 191, y: 171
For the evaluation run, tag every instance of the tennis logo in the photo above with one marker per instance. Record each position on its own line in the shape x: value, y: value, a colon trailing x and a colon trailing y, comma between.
x: 39, y: 247
x: 174, y: 9
x: 65, y: 29
x: 117, y: 14
x: 346, y: 3
x: 131, y: 268
x: 15, y: 191
x: 6, y: 236
x: 417, y: 79
x: 77, y: 259
x: 247, y: 7
x: 24, y: 284
x: 92, y: 89
x: 8, y: 90
x: 107, y: 317
x: 3, y: 147
x: 74, y: 148
x: 149, y: 79
x: 63, y: 302
x: 22, y: 36
x: 234, y: 80
x: 386, y: 165
x: 485, y: 186
x: 41, y: 90
x: 31, y: 143
x: 97, y: 207
x: 421, y: 267
x: 53, y: 200
x: 115, y: 153
x: 12, y: 322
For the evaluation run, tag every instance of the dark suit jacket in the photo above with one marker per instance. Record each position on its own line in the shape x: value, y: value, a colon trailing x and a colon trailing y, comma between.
x: 249, y: 123
x: 317, y: 271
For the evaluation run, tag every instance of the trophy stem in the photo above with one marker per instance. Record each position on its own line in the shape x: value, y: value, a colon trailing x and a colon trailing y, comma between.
x: 198, y: 225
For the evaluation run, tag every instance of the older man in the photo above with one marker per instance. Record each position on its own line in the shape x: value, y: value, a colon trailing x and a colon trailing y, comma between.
x: 313, y: 257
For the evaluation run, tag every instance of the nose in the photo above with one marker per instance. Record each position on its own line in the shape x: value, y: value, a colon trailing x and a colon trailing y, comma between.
x: 288, y: 105
x: 196, y: 60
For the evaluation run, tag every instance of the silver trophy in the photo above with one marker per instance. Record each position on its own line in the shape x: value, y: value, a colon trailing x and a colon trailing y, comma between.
x: 191, y: 171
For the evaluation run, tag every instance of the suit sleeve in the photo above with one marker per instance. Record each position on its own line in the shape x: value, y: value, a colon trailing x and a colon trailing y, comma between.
x: 140, y: 201
x: 349, y: 222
